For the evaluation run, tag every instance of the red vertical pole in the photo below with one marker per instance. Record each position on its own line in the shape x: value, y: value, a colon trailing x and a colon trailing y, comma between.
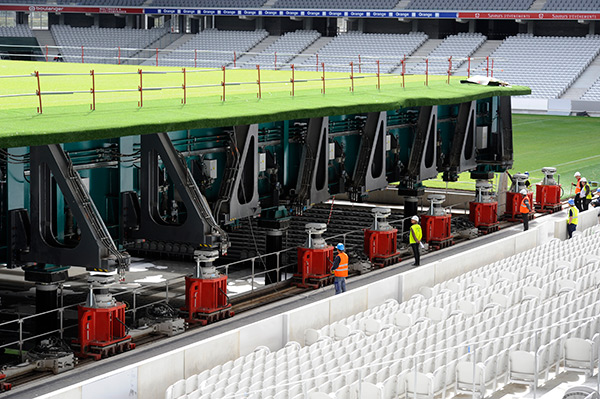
x: 323, y: 77
x: 157, y: 56
x: 82, y: 54
x: 449, y: 68
x: 403, y: 83
x: 184, y: 101
x: 46, y: 53
x: 93, y: 90
x: 469, y: 68
x: 119, y: 55
x: 293, y: 80
x: 141, y: 89
x: 352, y: 76
x: 234, y: 59
x: 317, y: 62
x: 259, y: 95
x: 276, y: 60
x: 223, y: 83
x: 487, y: 68
x: 492, y: 75
x: 426, y: 71
x: 359, y: 64
x: 195, y: 58
x: 378, y: 77
x: 39, y: 92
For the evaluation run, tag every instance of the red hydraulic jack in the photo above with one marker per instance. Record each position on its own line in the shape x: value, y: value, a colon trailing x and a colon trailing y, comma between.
x: 381, y: 240
x: 483, y: 212
x: 206, y: 299
x: 4, y: 386
x: 102, y: 329
x: 547, y: 194
x: 314, y: 259
x: 436, y: 223
x: 514, y: 198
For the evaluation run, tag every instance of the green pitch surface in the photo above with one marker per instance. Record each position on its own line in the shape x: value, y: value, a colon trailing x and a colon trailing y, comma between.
x: 67, y: 117
x: 568, y: 143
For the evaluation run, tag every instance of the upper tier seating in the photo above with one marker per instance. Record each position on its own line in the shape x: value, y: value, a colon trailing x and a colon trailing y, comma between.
x: 210, y: 3
x: 212, y: 48
x: 572, y: 5
x: 17, y: 31
x: 547, y: 64
x: 345, y: 48
x: 101, y: 44
x: 472, y: 5
x: 286, y: 47
x: 506, y: 322
x: 337, y: 4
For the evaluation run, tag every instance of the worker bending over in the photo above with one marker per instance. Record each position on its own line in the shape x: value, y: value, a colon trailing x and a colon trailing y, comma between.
x: 340, y: 269
x: 573, y: 218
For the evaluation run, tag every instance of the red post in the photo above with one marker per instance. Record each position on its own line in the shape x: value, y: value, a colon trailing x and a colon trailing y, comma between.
x: 223, y: 83
x: 292, y: 80
x: 46, y: 53
x: 82, y: 54
x: 359, y: 64
x: 184, y: 101
x: 141, y: 90
x: 195, y: 58
x: 492, y: 75
x: 403, y: 70
x: 487, y: 68
x: 276, y: 60
x: 259, y: 95
x: 93, y: 90
x: 426, y: 71
x: 378, y: 77
x: 39, y: 92
x: 317, y: 62
x: 449, y: 68
x: 469, y: 68
x: 352, y: 76
x: 234, y: 59
x: 156, y: 56
x: 323, y: 77
x: 119, y: 55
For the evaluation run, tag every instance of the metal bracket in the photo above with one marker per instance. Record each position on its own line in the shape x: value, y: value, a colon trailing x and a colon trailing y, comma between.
x: 95, y: 250
x: 238, y: 197
x: 370, y: 169
x: 199, y: 228
x: 313, y: 178
x: 462, y: 155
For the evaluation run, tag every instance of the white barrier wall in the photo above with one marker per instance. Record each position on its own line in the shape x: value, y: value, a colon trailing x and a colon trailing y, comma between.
x: 150, y: 378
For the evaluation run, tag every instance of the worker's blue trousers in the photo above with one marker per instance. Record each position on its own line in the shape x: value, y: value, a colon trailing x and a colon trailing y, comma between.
x: 340, y: 285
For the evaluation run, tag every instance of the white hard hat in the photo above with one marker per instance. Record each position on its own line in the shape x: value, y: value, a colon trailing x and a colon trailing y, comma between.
x: 523, y: 192
x: 583, y: 179
x: 577, y: 174
x: 415, y: 218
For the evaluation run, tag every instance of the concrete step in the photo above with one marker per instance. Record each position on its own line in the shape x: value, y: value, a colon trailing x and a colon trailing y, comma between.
x: 259, y: 48
x: 45, y: 38
x: 485, y: 50
x: 420, y: 54
x: 269, y: 4
x: 402, y: 4
x: 312, y: 49
x: 584, y: 82
x: 537, y: 5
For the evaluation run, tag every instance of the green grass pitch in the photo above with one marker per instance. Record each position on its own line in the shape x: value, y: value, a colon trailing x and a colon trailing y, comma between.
x: 68, y: 117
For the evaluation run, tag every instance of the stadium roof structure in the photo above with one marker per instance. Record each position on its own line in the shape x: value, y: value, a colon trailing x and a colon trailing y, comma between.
x: 66, y: 93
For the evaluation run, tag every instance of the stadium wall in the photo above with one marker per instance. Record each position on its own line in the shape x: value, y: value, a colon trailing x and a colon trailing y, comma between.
x: 149, y: 379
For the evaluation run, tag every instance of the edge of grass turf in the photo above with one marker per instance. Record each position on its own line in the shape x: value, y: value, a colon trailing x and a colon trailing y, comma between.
x: 163, y: 116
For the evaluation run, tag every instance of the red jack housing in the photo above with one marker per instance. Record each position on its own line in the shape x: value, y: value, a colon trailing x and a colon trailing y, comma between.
x: 381, y: 240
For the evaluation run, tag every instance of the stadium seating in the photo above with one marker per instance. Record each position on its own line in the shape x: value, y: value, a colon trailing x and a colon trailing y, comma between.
x: 572, y: 5
x: 459, y: 47
x: 345, y: 48
x: 472, y: 5
x: 593, y: 93
x: 547, y: 64
x: 210, y: 3
x: 337, y: 4
x: 211, y: 48
x: 286, y: 47
x: 100, y: 44
x: 17, y: 31
x: 428, y: 345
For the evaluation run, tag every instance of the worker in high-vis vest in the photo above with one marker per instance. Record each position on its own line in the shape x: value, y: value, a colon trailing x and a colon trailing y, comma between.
x: 577, y: 185
x: 525, y: 208
x: 585, y: 194
x: 414, y: 238
x: 573, y: 218
x: 340, y: 269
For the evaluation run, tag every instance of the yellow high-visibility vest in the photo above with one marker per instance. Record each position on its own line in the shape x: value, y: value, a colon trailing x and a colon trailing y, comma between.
x: 418, y: 233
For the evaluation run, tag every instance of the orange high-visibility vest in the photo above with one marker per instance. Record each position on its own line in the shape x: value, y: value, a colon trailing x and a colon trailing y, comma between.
x: 342, y: 269
x: 578, y: 186
x: 524, y: 208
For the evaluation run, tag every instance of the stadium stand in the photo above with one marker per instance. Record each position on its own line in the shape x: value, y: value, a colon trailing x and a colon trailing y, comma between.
x: 346, y: 47
x: 116, y: 3
x: 209, y: 3
x: 338, y: 4
x: 472, y: 5
x: 16, y: 31
x: 511, y: 321
x: 214, y: 47
x: 286, y: 47
x: 547, y: 64
x: 101, y: 43
x: 593, y: 93
x: 458, y: 47
x: 571, y: 5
